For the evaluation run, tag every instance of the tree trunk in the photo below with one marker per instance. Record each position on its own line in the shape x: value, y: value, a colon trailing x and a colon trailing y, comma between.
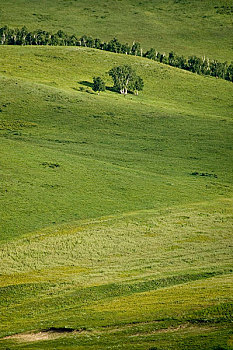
x: 3, y: 38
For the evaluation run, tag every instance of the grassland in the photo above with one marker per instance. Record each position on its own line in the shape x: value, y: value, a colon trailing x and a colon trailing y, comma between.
x: 107, y: 147
x: 190, y: 27
x: 108, y: 228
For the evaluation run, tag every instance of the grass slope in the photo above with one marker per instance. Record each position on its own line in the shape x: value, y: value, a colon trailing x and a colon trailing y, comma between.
x: 114, y: 154
x: 156, y: 278
x: 186, y: 26
x: 104, y: 229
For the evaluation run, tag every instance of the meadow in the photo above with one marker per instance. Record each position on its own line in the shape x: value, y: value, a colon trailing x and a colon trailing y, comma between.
x: 106, y: 147
x: 116, y: 212
x: 188, y: 27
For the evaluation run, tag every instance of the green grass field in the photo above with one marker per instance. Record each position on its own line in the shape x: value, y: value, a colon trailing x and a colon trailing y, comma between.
x: 190, y: 27
x: 116, y: 212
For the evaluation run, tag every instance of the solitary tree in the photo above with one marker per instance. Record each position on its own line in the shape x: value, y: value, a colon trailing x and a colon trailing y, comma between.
x: 122, y: 77
x: 98, y: 84
x: 125, y: 78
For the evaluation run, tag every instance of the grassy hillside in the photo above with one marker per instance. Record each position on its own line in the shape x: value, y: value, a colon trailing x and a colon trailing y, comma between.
x: 187, y: 26
x: 128, y: 282
x: 109, y: 230
x: 114, y: 154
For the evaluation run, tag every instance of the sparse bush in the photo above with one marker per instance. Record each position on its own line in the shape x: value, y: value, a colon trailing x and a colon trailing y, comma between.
x: 196, y: 173
x: 50, y: 165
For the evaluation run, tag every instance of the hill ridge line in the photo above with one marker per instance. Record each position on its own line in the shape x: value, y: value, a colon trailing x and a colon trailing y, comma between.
x: 194, y: 64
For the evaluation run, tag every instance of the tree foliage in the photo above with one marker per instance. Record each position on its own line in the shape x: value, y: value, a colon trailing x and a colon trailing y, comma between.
x: 125, y: 79
x: 98, y: 84
x: 137, y: 84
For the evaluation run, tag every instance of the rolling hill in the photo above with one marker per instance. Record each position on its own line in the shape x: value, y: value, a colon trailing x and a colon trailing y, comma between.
x: 190, y: 27
x: 116, y: 212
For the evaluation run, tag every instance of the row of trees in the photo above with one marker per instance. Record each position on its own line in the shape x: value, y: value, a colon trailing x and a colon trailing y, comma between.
x: 124, y: 79
x: 22, y: 36
x: 194, y: 64
x: 39, y: 37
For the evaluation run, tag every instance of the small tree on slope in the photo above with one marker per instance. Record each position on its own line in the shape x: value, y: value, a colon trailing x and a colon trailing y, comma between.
x: 125, y: 78
x: 122, y: 77
x: 98, y: 84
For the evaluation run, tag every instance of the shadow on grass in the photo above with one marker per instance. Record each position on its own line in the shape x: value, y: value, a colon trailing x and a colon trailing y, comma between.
x: 59, y: 330
x: 90, y: 85
x: 86, y: 83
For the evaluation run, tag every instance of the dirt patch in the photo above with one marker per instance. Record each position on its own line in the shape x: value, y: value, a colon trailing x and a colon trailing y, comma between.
x: 47, y: 334
x: 30, y: 337
x: 171, y: 329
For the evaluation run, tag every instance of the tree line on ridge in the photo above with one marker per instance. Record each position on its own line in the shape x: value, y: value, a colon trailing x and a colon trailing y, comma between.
x: 194, y: 64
